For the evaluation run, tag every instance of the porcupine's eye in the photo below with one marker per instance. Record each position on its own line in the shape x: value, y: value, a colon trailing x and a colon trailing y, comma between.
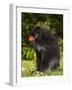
x: 36, y: 36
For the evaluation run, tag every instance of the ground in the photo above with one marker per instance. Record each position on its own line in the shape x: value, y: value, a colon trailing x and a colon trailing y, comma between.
x: 28, y: 69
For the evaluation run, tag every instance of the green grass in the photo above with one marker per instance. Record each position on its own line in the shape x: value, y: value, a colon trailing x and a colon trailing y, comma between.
x: 28, y: 69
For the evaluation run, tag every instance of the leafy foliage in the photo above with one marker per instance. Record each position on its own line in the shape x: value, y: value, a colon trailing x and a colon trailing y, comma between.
x: 28, y: 53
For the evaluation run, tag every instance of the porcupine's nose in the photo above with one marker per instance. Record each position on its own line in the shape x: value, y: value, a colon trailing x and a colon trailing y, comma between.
x: 30, y: 38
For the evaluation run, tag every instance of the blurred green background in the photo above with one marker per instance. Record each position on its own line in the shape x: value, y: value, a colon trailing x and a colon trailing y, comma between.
x: 54, y: 23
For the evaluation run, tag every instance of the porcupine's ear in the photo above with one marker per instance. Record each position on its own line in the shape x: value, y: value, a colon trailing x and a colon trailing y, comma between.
x: 37, y: 27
